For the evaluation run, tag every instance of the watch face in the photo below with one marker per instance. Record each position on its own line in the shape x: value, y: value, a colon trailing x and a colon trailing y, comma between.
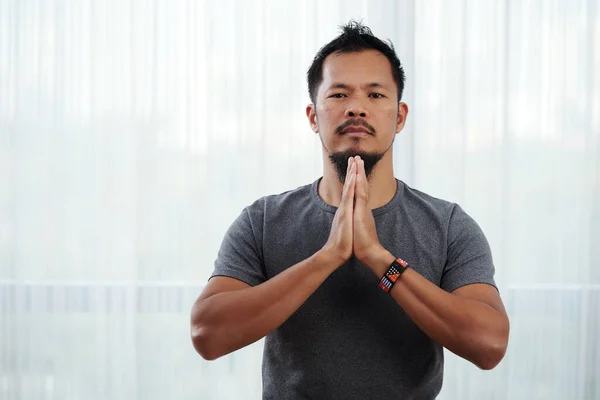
x: 396, y: 269
x: 393, y: 273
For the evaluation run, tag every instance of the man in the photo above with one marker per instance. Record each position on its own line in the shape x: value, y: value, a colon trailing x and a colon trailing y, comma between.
x: 356, y: 280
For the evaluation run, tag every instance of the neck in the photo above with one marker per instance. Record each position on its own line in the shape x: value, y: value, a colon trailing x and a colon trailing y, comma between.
x: 382, y: 184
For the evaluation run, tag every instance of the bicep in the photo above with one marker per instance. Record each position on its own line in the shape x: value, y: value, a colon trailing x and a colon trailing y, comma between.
x: 221, y: 284
x: 483, y: 293
x: 469, y: 256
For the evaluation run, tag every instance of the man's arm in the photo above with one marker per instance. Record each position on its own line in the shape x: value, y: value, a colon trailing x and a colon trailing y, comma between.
x: 229, y: 314
x: 471, y: 321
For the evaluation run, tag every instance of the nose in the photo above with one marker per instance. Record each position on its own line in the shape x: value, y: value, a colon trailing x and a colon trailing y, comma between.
x: 354, y: 111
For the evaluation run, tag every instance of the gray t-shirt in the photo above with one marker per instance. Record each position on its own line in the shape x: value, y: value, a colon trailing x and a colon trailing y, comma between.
x: 350, y: 339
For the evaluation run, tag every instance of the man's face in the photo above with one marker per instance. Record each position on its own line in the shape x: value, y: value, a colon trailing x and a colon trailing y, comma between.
x: 357, y: 110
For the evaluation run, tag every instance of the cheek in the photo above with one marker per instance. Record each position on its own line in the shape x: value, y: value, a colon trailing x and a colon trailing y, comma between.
x: 325, y: 110
x: 392, y: 114
x: 324, y: 116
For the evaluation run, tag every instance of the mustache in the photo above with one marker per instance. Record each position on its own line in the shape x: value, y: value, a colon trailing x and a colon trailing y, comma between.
x: 355, y: 122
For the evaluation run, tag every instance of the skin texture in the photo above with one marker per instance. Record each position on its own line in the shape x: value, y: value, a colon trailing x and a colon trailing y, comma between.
x: 357, y: 92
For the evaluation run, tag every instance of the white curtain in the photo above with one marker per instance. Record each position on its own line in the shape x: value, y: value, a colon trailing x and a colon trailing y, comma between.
x: 133, y: 132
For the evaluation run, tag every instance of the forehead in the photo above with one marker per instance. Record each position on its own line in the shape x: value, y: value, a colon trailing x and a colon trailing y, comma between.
x: 357, y: 68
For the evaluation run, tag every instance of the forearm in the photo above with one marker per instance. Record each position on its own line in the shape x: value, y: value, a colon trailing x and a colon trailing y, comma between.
x: 225, y: 322
x: 467, y: 327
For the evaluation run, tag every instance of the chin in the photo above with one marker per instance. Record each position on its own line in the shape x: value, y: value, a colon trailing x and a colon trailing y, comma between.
x: 357, y: 151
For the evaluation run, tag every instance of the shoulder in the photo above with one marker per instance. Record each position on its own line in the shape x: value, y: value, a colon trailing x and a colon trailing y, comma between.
x: 275, y: 205
x: 418, y: 200
x: 449, y: 215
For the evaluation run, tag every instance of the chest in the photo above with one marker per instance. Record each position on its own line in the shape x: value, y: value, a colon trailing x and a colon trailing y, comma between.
x: 420, y: 243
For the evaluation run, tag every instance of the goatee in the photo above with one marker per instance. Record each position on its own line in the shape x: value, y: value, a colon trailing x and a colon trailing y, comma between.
x: 340, y: 162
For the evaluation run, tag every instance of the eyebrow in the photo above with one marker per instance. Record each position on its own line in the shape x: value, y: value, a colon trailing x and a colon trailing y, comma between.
x: 345, y: 86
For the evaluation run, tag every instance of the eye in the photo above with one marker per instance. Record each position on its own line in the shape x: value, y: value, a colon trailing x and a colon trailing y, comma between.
x: 377, y: 95
x: 338, y: 95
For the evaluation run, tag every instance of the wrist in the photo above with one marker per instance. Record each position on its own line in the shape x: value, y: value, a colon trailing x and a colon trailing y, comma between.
x: 378, y: 260
x: 329, y: 258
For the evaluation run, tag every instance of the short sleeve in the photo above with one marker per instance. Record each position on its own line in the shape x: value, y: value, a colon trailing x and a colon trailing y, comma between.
x: 469, y: 259
x: 240, y: 255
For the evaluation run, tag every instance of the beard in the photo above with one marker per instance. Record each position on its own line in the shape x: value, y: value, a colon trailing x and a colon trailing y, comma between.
x: 340, y: 162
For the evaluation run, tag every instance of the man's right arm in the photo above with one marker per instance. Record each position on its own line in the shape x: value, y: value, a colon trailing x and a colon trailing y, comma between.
x: 230, y: 314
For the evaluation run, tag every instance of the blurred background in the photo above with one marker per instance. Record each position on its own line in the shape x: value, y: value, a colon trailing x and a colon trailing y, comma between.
x: 133, y: 132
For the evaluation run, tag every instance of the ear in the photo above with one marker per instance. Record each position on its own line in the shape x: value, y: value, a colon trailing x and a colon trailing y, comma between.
x: 311, y: 114
x: 402, y: 114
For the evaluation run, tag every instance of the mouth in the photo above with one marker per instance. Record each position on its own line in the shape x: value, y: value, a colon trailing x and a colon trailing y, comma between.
x: 356, y: 131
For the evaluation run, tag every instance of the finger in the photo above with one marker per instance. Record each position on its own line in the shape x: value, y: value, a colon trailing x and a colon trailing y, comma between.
x: 349, y: 187
x: 345, y: 186
x: 361, y: 168
x: 348, y: 174
x: 362, y: 187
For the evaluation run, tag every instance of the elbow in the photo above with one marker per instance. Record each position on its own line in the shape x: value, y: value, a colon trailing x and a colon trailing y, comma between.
x: 203, y: 343
x: 493, y: 351
x: 490, y: 357
x: 202, y: 335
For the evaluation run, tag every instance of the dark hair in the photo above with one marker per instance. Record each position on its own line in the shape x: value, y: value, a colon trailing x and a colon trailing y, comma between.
x: 355, y: 37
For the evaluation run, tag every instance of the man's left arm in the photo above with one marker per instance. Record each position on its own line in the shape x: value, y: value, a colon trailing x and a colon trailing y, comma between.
x: 469, y: 320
